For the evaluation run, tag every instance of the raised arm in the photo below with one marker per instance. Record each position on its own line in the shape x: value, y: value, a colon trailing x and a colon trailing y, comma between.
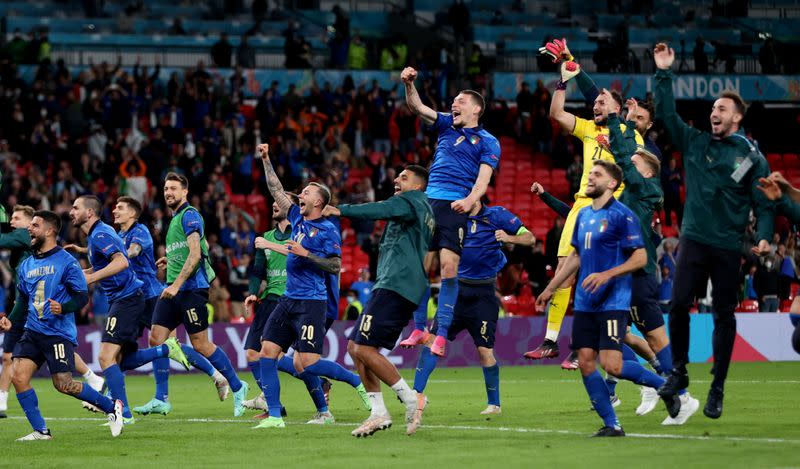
x: 623, y: 146
x: 565, y: 119
x: 428, y: 115
x: 550, y: 200
x: 678, y: 131
x: 273, y: 182
x: 15, y: 239
x: 392, y: 208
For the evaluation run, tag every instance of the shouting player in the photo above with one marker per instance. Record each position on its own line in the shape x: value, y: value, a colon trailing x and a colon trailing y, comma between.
x: 299, y: 318
x: 189, y: 275
x: 588, y: 132
x: 109, y: 269
x: 51, y: 288
x: 400, y: 284
x: 477, y: 306
x: 608, y: 248
x: 466, y: 156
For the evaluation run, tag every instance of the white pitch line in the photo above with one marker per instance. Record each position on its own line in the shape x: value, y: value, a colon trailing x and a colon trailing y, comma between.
x: 527, y: 381
x: 545, y: 431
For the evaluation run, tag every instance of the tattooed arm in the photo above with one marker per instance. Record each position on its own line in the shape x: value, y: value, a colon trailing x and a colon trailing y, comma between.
x: 274, y: 184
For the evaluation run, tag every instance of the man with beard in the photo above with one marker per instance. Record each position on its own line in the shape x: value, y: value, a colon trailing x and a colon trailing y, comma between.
x: 189, y: 275
x: 722, y: 173
x: 110, y: 270
x: 50, y: 291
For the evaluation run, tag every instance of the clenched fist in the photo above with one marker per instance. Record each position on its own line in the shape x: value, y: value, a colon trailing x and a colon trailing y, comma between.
x: 408, y: 75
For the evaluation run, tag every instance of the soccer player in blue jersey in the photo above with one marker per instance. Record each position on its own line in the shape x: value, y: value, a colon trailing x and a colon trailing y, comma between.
x: 608, y: 248
x: 109, y: 269
x: 139, y: 248
x: 313, y: 252
x: 466, y: 156
x: 477, y: 307
x: 189, y: 275
x: 51, y: 288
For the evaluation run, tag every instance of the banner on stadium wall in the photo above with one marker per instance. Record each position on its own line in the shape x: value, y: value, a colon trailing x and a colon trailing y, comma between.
x: 707, y: 87
x: 761, y: 337
x: 258, y: 80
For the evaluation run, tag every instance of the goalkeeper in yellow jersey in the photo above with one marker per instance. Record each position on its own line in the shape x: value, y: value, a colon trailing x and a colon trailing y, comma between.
x: 594, y: 136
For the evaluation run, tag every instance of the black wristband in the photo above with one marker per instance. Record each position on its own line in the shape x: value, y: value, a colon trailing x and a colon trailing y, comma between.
x: 562, y: 85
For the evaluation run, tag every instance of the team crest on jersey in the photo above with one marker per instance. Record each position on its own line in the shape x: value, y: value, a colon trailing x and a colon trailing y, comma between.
x: 313, y: 232
x: 459, y: 140
x: 603, y: 225
x: 474, y: 139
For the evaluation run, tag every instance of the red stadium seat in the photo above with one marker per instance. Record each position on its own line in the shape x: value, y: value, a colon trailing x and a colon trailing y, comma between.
x: 791, y: 160
x: 747, y: 306
x: 775, y: 161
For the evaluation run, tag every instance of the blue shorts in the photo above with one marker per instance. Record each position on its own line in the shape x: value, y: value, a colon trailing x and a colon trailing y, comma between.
x: 380, y: 324
x: 298, y: 322
x: 122, y: 323
x: 146, y: 317
x: 450, y: 227
x: 599, y: 330
x: 188, y: 307
x: 645, y: 310
x: 58, y: 352
x: 12, y: 336
x: 476, y: 311
x: 262, y: 312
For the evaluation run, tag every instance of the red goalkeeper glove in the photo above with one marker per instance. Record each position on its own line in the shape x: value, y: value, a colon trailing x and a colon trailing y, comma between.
x: 557, y: 50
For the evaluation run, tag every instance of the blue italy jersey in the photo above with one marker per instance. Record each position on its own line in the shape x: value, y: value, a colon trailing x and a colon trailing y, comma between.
x: 103, y: 243
x: 458, y: 157
x: 52, y: 275
x: 143, y: 265
x: 482, y: 256
x: 304, y: 280
x: 605, y: 239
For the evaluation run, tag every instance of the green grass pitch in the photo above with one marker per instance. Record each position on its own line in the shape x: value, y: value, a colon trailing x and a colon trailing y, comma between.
x: 545, y: 423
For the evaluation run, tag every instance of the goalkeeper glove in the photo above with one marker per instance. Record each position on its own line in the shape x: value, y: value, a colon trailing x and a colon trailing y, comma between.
x: 557, y: 50
x: 569, y: 70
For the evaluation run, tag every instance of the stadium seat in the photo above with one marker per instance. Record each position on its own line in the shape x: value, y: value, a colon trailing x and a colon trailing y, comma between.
x: 747, y: 306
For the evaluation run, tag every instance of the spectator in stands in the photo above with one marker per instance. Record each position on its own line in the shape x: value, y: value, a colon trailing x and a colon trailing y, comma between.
x: 363, y: 286
x: 551, y: 241
x: 177, y: 28
x: 246, y: 54
x: 354, y: 306
x: 357, y: 54
x: 459, y: 18
x: 768, y: 58
x: 788, y: 272
x: 766, y: 282
x: 238, y: 281
x: 535, y: 264
x: 672, y: 181
x: 574, y: 173
x: 750, y: 284
x: 17, y: 46
x: 665, y: 289
x: 221, y: 52
x: 525, y: 99
x: 700, y: 57
x: 259, y: 9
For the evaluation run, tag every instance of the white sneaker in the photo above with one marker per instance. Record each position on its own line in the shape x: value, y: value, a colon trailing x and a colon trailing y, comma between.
x: 90, y: 407
x: 223, y: 388
x: 256, y: 403
x: 322, y: 418
x: 689, y: 406
x: 115, y: 420
x: 649, y: 400
x: 372, y: 425
x: 491, y: 410
x: 37, y: 435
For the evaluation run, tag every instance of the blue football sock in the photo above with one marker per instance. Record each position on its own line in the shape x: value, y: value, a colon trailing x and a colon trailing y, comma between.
x: 222, y: 363
x: 601, y: 399
x: 491, y: 376
x: 30, y: 405
x: 161, y: 375
x: 116, y: 385
x: 255, y: 368
x: 634, y: 371
x: 665, y: 360
x: 314, y: 386
x: 447, y: 301
x: 198, y: 360
x: 271, y: 386
x: 628, y: 353
x: 611, y: 383
x: 334, y: 371
x: 421, y: 314
x: 93, y: 397
x: 425, y: 366
x: 286, y: 365
x: 134, y: 360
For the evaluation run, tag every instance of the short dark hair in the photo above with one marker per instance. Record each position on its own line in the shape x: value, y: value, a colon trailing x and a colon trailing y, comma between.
x: 132, y: 203
x: 92, y: 202
x: 419, y: 172
x: 477, y: 98
x: 173, y: 176
x: 650, y: 108
x: 293, y: 197
x: 27, y: 210
x: 617, y: 97
x: 741, y: 105
x: 51, y: 218
x: 612, y: 169
x: 324, y: 192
